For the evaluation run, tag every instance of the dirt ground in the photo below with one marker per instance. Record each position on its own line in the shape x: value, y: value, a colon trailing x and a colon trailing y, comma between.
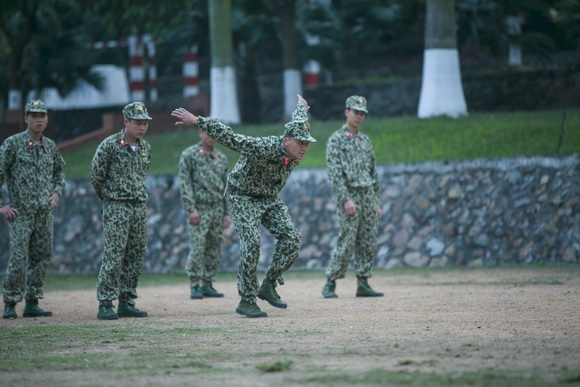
x: 514, y: 323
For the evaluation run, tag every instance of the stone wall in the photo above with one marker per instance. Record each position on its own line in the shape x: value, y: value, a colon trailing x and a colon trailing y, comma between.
x: 479, y: 212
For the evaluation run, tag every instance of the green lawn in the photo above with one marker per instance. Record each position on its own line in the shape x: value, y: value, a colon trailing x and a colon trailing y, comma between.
x: 396, y: 140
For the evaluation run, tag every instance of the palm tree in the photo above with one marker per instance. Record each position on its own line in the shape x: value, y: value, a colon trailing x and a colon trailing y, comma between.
x: 17, y: 26
x: 224, y: 94
x: 441, y: 89
x: 45, y: 47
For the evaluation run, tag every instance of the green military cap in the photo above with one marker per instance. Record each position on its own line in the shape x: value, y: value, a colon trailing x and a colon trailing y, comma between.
x: 136, y: 111
x: 35, y: 106
x: 299, y: 128
x: 356, y: 102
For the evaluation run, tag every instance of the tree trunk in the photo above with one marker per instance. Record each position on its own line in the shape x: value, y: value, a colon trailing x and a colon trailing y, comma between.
x: 514, y: 29
x: 441, y: 89
x: 15, y: 82
x: 286, y: 11
x: 224, y: 95
x: 292, y: 73
x: 24, y: 13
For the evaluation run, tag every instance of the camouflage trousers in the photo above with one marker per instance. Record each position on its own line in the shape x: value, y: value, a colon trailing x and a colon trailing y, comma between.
x: 125, y: 232
x: 248, y: 214
x: 358, y: 235
x: 30, y: 254
x: 206, y: 241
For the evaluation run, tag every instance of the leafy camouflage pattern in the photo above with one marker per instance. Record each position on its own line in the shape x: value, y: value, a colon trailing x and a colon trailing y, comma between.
x: 206, y: 241
x: 202, y: 181
x: 252, y: 192
x: 202, y: 177
x: 261, y: 169
x: 356, y: 102
x: 125, y: 232
x: 299, y: 128
x: 118, y: 173
x: 358, y: 235
x: 136, y: 111
x: 248, y: 214
x: 119, y: 176
x: 350, y: 162
x: 32, y: 172
x: 35, y: 106
x: 31, y: 236
x: 352, y: 172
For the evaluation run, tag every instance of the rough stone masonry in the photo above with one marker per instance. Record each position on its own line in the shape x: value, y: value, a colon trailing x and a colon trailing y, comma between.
x: 476, y: 212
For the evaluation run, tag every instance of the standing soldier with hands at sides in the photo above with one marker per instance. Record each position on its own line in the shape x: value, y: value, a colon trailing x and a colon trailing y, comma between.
x: 33, y: 169
x: 252, y: 193
x: 119, y: 176
x: 202, y: 180
x: 353, y: 175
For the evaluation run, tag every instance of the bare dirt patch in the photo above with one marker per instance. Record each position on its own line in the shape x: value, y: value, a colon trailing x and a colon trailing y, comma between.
x: 441, y: 327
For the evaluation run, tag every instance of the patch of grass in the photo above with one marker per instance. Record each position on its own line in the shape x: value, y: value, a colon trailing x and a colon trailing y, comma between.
x: 574, y: 378
x: 417, y: 378
x: 408, y: 362
x: 530, y: 281
x: 59, y: 347
x: 279, y: 366
x: 401, y: 139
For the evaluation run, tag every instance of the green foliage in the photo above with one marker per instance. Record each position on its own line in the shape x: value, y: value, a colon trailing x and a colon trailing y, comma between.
x: 43, y: 45
x: 418, y: 378
x: 396, y: 140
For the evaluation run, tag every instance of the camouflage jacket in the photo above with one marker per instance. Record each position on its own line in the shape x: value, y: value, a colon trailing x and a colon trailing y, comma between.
x: 32, y: 171
x: 202, y: 177
x: 118, y: 172
x: 261, y: 170
x: 350, y: 163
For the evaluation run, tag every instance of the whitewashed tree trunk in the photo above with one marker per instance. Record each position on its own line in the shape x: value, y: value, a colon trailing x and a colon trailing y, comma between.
x: 292, y: 87
x: 14, y: 99
x: 441, y: 88
x: 514, y: 28
x: 224, y: 96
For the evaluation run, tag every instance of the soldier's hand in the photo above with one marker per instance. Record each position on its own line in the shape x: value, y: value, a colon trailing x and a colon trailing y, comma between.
x: 194, y: 218
x: 227, y: 221
x: 185, y: 118
x: 53, y: 200
x: 9, y: 213
x: 302, y: 101
x: 349, y: 207
x: 379, y: 212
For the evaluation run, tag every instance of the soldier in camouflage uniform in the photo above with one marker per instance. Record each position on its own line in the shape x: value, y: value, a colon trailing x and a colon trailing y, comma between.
x: 119, y: 176
x: 352, y: 172
x: 202, y: 181
x: 33, y: 168
x: 252, y: 193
